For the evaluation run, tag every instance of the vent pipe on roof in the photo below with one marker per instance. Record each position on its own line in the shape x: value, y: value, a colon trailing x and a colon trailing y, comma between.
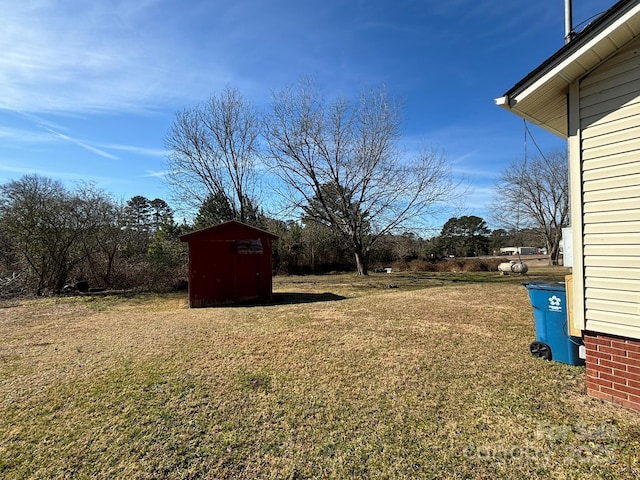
x: 568, y: 22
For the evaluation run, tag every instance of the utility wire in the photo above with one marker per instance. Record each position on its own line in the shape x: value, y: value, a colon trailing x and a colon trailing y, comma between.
x: 524, y: 168
x: 589, y: 19
x: 526, y: 130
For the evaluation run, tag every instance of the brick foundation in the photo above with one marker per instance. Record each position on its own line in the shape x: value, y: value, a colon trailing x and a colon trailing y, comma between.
x: 613, y: 368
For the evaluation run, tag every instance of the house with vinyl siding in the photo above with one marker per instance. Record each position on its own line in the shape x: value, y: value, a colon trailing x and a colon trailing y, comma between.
x: 589, y: 93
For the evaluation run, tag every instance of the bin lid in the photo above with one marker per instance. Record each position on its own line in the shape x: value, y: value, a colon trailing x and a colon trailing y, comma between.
x: 545, y: 285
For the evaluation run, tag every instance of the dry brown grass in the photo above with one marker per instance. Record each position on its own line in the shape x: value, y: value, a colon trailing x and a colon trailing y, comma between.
x: 428, y: 380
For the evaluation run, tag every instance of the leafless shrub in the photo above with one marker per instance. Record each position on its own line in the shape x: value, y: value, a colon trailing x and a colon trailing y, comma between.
x: 12, y: 285
x: 400, y: 266
x: 423, y: 266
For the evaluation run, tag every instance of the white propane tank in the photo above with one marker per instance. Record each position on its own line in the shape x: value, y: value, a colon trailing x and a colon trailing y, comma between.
x: 519, y: 267
x: 505, y: 267
x: 512, y: 267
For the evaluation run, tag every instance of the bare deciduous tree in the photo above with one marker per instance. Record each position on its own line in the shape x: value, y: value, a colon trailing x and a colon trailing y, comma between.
x: 35, y: 213
x: 535, y: 193
x: 213, y: 149
x: 341, y: 164
x: 50, y: 227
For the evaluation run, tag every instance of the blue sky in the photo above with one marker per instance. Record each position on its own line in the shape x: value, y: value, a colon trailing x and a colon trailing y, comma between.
x: 89, y: 89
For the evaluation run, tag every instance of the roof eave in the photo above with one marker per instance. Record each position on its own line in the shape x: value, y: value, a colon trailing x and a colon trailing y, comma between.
x: 196, y: 233
x: 506, y: 103
x: 540, y: 97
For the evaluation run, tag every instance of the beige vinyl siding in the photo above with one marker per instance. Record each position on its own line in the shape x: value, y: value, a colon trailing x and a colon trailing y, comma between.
x: 603, y: 261
x: 623, y: 308
x: 614, y: 207
x: 594, y: 121
x: 604, y: 250
x: 610, y: 151
x: 607, y: 226
x: 602, y: 295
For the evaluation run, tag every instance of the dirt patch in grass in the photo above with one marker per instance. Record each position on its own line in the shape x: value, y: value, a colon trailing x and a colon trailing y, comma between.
x: 432, y: 379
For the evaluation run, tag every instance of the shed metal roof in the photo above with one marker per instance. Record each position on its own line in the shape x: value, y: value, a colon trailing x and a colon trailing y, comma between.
x: 540, y: 97
x: 224, y: 227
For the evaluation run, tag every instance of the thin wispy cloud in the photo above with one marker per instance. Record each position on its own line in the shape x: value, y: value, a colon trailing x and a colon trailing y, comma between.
x: 84, y: 145
x: 159, y: 174
x: 85, y: 57
x: 475, y: 173
x: 45, y: 135
x: 21, y: 136
x: 58, y: 174
x: 149, y: 152
x: 41, y: 121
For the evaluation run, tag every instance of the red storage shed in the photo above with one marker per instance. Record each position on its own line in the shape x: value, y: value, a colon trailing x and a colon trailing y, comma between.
x: 229, y: 263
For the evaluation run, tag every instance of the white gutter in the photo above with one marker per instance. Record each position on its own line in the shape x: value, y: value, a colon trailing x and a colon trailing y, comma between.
x: 502, y: 101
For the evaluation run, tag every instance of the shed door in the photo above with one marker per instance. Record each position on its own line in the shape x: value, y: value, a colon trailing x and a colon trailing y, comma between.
x: 248, y: 276
x: 610, y: 127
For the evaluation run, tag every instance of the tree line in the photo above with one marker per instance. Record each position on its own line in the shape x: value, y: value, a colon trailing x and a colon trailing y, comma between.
x: 54, y: 239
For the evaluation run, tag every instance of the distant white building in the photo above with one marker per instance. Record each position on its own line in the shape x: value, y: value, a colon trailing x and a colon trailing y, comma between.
x: 518, y: 251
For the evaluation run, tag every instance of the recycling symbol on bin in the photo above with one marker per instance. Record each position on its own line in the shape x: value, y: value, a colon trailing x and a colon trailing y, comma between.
x: 555, y: 303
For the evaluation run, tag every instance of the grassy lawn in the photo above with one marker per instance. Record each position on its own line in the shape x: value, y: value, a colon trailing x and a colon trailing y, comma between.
x: 342, y: 377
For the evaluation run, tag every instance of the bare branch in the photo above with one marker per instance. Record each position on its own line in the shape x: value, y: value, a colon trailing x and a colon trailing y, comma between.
x: 341, y: 164
x: 536, y: 193
x: 213, y: 151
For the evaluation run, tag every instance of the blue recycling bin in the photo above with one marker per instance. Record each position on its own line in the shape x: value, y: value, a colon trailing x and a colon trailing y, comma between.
x: 553, y: 341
